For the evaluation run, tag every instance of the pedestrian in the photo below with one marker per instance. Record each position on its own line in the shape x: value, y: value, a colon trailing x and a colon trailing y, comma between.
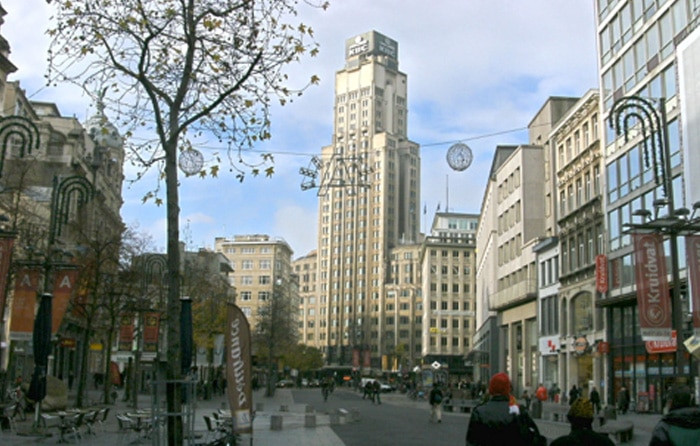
x: 500, y: 421
x: 435, y: 399
x: 528, y: 399
x: 540, y: 398
x: 681, y: 425
x: 368, y: 390
x: 581, y: 419
x: 623, y: 400
x: 573, y: 394
x: 595, y: 399
x: 377, y: 391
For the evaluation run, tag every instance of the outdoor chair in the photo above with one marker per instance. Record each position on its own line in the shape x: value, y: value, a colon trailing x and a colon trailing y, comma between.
x: 213, y: 431
x: 7, y: 419
x: 71, y: 425
x: 127, y: 426
x: 51, y: 423
x: 102, y: 417
x: 90, y: 419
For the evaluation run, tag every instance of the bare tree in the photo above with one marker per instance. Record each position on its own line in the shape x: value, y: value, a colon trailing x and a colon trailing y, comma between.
x: 184, y: 70
x: 276, y: 330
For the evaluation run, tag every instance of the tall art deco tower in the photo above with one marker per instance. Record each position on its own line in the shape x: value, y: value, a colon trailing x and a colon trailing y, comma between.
x: 368, y: 201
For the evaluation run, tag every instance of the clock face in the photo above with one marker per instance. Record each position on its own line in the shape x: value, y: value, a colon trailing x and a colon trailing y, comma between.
x: 459, y: 157
x: 191, y: 161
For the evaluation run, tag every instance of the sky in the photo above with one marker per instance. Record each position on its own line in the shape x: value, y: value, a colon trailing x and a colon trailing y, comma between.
x: 478, y: 71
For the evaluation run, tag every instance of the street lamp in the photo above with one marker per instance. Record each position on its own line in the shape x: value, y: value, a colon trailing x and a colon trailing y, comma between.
x: 634, y: 110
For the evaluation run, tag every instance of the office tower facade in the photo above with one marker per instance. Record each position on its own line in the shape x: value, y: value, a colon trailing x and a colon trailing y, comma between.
x: 368, y: 198
x: 262, y: 269
x: 448, y: 262
x: 638, y: 49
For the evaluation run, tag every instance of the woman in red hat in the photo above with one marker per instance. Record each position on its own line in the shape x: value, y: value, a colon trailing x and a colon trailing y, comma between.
x: 500, y: 420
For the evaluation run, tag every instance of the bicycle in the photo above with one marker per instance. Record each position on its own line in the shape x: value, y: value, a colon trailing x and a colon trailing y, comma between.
x: 18, y: 403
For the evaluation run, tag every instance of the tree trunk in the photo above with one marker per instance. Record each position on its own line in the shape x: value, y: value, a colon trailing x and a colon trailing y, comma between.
x: 82, y: 376
x: 108, y: 367
x: 173, y: 390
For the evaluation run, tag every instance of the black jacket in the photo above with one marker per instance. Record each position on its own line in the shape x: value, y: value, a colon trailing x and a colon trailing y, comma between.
x: 432, y: 397
x: 493, y: 423
x: 583, y: 437
x: 680, y: 427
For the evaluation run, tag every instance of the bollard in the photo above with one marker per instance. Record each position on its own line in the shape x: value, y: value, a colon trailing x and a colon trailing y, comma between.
x: 284, y: 408
x: 276, y: 422
x: 310, y: 420
x: 259, y: 407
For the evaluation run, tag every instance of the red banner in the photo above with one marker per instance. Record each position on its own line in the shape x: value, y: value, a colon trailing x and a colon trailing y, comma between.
x: 64, y: 284
x: 126, y: 332
x: 653, y: 297
x: 692, y: 252
x: 5, y: 254
x: 239, y: 370
x: 24, y: 301
x: 601, y: 273
x: 151, y: 322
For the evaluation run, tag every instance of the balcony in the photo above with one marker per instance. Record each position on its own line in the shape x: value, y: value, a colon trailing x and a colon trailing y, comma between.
x: 515, y: 294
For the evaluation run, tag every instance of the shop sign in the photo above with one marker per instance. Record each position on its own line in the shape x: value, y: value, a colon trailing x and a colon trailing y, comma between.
x: 601, y: 273
x: 550, y: 345
x: 96, y: 346
x: 668, y: 346
x: 580, y: 345
x: 68, y: 342
x: 603, y: 347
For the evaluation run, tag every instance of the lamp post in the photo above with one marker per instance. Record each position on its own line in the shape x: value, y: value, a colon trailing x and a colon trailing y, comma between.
x: 637, y: 111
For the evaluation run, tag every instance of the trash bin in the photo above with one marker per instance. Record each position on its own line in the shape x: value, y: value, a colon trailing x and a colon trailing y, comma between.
x: 536, y: 411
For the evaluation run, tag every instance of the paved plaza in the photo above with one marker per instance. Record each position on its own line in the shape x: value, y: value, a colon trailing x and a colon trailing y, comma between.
x: 295, y: 430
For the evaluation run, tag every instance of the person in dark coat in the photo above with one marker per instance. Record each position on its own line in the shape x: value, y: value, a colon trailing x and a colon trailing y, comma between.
x: 581, y: 418
x: 435, y: 398
x: 595, y: 399
x: 573, y: 394
x: 499, y: 420
x: 377, y: 391
x: 681, y: 425
x: 623, y: 400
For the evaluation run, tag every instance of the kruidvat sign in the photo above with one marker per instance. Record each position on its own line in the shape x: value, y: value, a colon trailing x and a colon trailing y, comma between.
x: 652, y: 287
x: 238, y: 370
x: 692, y: 252
x: 601, y: 273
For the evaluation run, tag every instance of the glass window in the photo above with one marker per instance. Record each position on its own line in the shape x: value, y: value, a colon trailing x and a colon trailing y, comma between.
x: 612, y: 182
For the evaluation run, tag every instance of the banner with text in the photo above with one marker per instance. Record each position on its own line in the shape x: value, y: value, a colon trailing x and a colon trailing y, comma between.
x: 5, y: 254
x: 126, y: 332
x: 239, y: 370
x: 63, y: 286
x: 151, y: 323
x: 653, y: 297
x: 24, y: 300
x: 692, y: 251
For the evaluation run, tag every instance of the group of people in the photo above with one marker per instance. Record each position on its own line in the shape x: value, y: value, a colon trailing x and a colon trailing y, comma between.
x: 500, y: 420
x: 372, y: 390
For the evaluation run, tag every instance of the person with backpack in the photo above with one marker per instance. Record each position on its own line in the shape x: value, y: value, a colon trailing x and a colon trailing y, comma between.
x: 500, y: 420
x: 435, y: 399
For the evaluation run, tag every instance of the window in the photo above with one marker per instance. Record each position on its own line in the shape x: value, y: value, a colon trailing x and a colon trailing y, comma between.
x: 246, y: 264
x: 264, y: 280
x: 246, y: 295
x: 263, y: 295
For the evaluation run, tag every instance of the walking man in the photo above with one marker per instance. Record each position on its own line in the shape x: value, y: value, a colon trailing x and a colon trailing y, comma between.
x: 435, y: 400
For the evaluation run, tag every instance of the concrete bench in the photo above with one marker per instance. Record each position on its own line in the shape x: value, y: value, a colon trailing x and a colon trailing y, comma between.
x: 621, y: 431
